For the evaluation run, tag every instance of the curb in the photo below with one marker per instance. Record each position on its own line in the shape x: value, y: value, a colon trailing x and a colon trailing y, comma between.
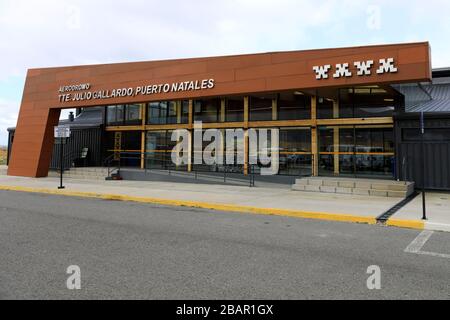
x: 433, y: 226
x: 409, y: 224
x: 202, y: 205
x: 419, y: 225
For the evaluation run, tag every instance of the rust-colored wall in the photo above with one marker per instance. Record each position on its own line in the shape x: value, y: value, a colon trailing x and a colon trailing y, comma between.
x: 40, y: 107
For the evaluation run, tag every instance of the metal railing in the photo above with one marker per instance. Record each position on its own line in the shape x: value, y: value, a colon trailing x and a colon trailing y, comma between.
x: 405, y: 167
x: 115, y: 162
x: 109, y: 163
x: 114, y: 165
x: 68, y: 158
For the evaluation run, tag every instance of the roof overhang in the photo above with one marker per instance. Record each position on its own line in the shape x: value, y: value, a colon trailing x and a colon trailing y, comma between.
x: 266, y: 72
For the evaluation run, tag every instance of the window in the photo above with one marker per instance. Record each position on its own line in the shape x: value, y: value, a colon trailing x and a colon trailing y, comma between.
x: 157, y: 113
x: 293, y: 106
x: 123, y: 115
x: 207, y: 110
x: 111, y: 115
x: 234, y: 109
x: 155, y: 149
x: 295, y: 151
x: 159, y: 147
x: 366, y: 102
x: 260, y: 108
x: 127, y: 146
x: 172, y: 112
x: 185, y: 111
x: 168, y: 112
x: 133, y: 114
x: 324, y: 108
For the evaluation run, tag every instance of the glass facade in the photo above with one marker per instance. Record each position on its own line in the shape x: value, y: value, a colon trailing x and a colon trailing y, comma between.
x: 207, y: 110
x: 357, y: 102
x: 168, y: 112
x: 260, y: 108
x: 353, y: 150
x: 366, y: 102
x: 362, y: 151
x: 158, y: 150
x: 295, y: 151
x: 325, y: 108
x: 126, y: 146
x: 293, y: 106
x: 234, y: 109
x: 124, y: 115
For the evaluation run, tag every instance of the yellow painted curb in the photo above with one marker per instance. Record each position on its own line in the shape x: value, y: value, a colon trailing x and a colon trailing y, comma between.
x: 202, y: 205
x: 410, y: 224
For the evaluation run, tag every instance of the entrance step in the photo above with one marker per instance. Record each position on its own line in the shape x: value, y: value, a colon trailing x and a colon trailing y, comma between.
x: 91, y: 173
x: 366, y: 187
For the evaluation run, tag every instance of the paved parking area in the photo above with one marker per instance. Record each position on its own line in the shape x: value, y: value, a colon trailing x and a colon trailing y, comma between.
x: 143, y: 251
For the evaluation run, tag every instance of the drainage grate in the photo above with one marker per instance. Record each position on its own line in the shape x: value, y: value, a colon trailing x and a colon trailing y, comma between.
x: 385, y: 216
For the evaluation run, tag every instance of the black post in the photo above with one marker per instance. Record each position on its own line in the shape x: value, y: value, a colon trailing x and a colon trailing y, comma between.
x: 422, y: 125
x: 61, y: 159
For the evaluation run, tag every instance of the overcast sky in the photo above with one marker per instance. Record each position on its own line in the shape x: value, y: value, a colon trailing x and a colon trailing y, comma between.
x: 48, y: 33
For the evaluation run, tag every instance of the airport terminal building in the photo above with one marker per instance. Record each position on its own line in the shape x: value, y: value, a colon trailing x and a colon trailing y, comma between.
x: 340, y: 112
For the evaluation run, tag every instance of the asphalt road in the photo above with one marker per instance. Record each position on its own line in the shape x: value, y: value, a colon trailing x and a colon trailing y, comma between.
x: 138, y: 251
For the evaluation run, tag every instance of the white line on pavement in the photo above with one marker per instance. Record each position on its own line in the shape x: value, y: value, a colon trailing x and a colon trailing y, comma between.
x: 417, y: 244
x: 434, y: 254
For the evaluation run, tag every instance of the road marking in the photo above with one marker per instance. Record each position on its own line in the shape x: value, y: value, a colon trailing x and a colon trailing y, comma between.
x: 417, y: 244
x: 434, y: 254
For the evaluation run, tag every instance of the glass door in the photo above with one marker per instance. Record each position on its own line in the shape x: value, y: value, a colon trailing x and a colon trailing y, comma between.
x: 326, y: 151
x: 356, y: 151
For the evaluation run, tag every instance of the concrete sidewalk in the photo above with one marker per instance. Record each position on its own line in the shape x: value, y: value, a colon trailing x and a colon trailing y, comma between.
x: 259, y: 200
x: 438, y: 211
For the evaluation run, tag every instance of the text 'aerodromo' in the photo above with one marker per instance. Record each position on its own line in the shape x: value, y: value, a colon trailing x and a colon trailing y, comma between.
x: 195, y: 85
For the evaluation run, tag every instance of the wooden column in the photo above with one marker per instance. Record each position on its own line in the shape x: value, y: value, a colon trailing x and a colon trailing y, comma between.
x: 222, y: 110
x: 246, y: 112
x: 336, y: 138
x: 143, y: 150
x: 179, y: 106
x: 191, y: 121
x: 191, y: 112
x: 314, y: 137
x: 335, y: 109
x: 274, y: 109
x: 246, y: 141
x: 336, y: 150
x: 143, y: 133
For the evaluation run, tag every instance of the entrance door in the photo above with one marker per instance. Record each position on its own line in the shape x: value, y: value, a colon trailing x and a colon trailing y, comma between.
x: 357, y: 151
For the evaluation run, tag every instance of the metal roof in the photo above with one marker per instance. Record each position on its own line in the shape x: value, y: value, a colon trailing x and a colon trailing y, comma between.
x: 88, y: 118
x: 417, y: 100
